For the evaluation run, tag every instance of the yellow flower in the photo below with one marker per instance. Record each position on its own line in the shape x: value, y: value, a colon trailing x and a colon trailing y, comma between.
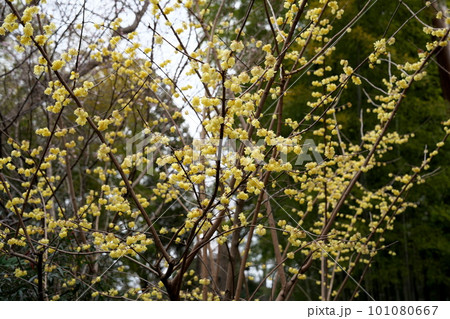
x: 82, y: 116
x: 103, y: 124
x: 43, y: 132
x: 28, y: 13
x: 57, y: 65
x: 242, y: 196
x: 260, y: 230
x: 28, y: 29
x: 19, y: 272
x: 159, y: 39
x: 81, y: 92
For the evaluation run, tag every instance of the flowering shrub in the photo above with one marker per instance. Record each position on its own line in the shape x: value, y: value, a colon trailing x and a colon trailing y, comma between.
x: 82, y: 217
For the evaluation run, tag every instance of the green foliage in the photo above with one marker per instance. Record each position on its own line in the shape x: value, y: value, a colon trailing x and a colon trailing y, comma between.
x: 421, y: 238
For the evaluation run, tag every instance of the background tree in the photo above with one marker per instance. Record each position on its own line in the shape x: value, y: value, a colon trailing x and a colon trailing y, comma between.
x: 102, y: 93
x: 417, y: 276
